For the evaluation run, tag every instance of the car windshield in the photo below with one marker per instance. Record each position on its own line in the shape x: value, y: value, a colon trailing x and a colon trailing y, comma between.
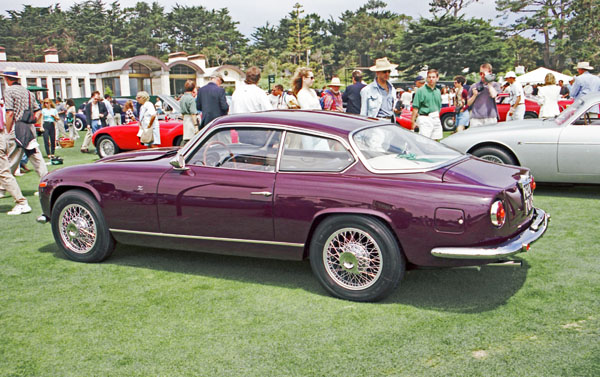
x: 391, y: 148
x: 570, y: 111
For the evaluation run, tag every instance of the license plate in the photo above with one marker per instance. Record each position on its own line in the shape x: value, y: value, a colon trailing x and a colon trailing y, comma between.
x: 527, y: 197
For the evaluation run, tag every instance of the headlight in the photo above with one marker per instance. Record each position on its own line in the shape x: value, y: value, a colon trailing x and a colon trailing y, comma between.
x: 497, y: 214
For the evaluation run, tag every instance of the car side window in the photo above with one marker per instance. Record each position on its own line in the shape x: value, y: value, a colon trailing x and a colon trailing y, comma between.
x: 310, y: 153
x: 239, y: 148
x: 590, y: 118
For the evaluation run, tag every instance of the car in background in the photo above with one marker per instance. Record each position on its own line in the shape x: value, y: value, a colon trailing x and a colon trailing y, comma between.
x: 115, y: 139
x: 563, y: 149
x: 361, y: 198
x: 532, y: 110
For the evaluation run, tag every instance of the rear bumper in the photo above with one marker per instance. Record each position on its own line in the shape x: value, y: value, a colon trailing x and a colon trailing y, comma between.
x: 517, y: 244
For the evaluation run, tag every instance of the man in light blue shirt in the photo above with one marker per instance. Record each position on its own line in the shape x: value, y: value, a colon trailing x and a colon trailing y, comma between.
x: 377, y: 98
x: 585, y: 82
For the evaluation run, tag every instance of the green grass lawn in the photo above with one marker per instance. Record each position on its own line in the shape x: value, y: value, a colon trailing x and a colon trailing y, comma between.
x: 154, y: 312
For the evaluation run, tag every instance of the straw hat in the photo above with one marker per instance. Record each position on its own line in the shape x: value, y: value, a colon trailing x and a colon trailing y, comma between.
x: 10, y: 72
x: 335, y: 81
x: 383, y: 64
x: 584, y: 65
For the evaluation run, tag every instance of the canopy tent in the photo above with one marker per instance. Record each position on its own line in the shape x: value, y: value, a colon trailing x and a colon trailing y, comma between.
x: 537, y: 76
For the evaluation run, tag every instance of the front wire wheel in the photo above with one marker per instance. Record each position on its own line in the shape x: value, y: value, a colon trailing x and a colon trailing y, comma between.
x: 79, y: 227
x: 356, y: 257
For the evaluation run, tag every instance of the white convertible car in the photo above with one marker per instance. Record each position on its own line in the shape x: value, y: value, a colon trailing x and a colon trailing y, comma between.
x: 562, y: 149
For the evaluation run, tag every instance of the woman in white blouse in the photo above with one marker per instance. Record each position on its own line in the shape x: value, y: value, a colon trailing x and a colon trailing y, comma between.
x: 147, y: 117
x: 548, y: 97
x: 301, y: 83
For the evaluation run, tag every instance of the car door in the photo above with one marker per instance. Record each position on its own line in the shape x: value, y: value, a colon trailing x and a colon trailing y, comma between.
x: 227, y: 193
x: 579, y: 147
x: 308, y: 182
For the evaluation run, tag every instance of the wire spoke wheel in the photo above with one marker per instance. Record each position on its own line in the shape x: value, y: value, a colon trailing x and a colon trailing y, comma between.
x: 352, y: 258
x: 78, y: 229
x: 492, y: 158
x: 107, y: 148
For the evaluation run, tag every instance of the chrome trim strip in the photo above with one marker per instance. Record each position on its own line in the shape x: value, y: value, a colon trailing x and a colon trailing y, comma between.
x: 206, y: 238
x: 510, y: 247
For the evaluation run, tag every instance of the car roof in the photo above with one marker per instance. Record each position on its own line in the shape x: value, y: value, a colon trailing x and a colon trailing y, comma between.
x: 339, y: 124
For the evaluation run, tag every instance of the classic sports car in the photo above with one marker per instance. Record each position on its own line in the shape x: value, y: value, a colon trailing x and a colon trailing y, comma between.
x: 114, y: 139
x: 564, y: 149
x: 362, y: 198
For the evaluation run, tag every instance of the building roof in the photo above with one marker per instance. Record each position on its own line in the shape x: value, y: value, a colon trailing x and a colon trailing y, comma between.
x: 70, y: 68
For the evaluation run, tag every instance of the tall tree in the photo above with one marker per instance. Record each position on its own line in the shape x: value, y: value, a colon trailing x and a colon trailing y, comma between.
x: 299, y: 39
x: 449, y: 44
x: 449, y: 7
x: 548, y: 18
x: 584, y: 34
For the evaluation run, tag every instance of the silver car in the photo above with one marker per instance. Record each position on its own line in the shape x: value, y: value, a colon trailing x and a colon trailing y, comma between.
x: 561, y: 149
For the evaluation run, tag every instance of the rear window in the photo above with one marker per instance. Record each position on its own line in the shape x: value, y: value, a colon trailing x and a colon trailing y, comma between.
x: 392, y: 148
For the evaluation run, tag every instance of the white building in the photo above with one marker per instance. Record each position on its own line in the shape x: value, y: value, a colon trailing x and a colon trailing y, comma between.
x: 124, y: 77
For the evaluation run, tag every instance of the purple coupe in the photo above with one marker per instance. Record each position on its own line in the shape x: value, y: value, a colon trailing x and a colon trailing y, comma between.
x: 363, y: 199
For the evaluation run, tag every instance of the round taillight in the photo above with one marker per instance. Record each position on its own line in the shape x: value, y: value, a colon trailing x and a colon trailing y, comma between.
x: 532, y: 183
x: 498, y: 214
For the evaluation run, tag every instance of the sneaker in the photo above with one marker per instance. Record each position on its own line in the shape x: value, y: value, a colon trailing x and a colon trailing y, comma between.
x: 19, y: 209
x: 37, y: 193
x: 18, y: 173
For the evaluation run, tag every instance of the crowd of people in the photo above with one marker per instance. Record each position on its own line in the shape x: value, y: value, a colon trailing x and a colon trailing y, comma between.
x: 474, y: 106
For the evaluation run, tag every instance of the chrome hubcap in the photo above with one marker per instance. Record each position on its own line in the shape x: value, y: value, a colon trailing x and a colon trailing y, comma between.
x: 352, y: 259
x: 77, y: 228
x: 107, y: 148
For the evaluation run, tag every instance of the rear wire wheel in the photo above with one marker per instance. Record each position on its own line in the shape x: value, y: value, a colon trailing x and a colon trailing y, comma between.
x: 356, y: 258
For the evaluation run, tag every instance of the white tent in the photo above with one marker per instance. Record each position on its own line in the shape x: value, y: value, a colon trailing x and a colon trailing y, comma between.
x: 537, y: 76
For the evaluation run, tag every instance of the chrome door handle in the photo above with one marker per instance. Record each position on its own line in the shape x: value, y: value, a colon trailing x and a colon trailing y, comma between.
x: 263, y: 193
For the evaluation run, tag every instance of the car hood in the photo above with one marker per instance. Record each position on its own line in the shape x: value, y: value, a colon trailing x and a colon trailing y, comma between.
x: 476, y: 171
x: 141, y: 155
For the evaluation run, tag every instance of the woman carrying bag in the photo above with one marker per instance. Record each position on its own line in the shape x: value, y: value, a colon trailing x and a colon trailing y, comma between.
x: 149, y: 132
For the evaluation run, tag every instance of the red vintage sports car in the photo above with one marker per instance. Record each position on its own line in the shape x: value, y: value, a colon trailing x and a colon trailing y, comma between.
x: 361, y: 198
x: 115, y: 139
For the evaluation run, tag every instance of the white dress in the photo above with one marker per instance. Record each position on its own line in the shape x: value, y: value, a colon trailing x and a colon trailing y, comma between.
x: 549, y: 96
x: 146, y: 112
x: 308, y: 100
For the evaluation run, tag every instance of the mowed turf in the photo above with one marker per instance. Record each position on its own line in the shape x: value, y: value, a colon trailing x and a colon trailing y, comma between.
x: 155, y: 312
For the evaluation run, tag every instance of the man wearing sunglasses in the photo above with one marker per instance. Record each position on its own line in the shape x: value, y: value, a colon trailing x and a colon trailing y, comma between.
x: 377, y: 98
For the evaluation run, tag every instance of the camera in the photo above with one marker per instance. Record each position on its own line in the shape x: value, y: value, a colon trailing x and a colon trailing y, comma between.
x: 490, y: 77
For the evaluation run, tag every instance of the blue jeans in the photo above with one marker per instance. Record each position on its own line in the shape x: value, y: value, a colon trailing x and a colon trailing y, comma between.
x: 96, y: 125
x: 462, y: 119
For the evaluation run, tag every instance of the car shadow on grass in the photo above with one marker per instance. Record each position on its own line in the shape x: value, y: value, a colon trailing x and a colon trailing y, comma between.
x: 566, y: 190
x: 464, y: 290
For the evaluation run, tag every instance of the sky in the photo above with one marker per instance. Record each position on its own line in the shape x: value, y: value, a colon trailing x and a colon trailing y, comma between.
x: 255, y: 13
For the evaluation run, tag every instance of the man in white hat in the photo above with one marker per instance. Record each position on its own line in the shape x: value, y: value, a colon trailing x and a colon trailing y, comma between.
x: 332, y: 97
x: 377, y: 98
x: 516, y: 97
x: 585, y: 82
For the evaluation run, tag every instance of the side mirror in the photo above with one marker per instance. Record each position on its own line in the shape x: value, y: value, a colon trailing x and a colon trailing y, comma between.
x: 178, y: 162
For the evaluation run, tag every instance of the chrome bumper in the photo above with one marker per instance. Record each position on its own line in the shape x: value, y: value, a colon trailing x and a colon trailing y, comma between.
x: 512, y: 246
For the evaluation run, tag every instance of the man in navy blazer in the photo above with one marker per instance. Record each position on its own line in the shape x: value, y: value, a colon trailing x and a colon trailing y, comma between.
x: 352, y: 94
x: 211, y: 100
